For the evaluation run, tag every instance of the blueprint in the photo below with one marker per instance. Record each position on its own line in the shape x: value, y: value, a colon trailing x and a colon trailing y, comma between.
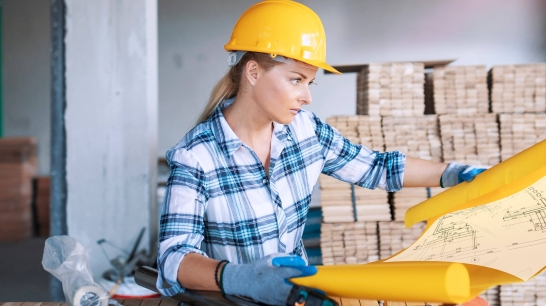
x: 507, y: 235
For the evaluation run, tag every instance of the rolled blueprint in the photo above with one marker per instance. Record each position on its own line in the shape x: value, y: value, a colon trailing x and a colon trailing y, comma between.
x: 510, y: 170
x: 435, y: 281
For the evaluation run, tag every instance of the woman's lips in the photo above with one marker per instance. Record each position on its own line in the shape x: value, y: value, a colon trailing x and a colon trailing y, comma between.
x: 294, y: 111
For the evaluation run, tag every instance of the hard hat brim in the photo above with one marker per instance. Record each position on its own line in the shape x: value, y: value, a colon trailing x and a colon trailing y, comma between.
x: 322, y: 65
x: 315, y: 63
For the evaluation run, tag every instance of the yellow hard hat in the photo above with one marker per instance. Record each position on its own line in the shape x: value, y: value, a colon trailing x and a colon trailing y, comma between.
x: 281, y: 27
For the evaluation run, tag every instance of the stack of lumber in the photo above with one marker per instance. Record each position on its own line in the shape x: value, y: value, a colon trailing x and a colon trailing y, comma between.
x: 391, y: 89
x: 41, y: 200
x: 346, y: 125
x: 17, y: 168
x: 540, y: 287
x: 372, y: 205
x: 336, y: 200
x: 470, y: 140
x: 460, y: 90
x: 394, y: 237
x: 370, y: 133
x: 518, y: 294
x: 416, y: 136
x: 492, y: 296
x: 410, y: 196
x: 349, y: 243
x: 518, y: 88
x: 520, y: 131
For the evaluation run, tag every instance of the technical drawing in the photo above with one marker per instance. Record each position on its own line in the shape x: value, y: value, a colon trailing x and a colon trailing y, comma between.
x: 508, y: 235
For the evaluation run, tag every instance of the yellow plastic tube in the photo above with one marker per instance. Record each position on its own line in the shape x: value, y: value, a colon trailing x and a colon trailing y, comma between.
x: 397, y: 281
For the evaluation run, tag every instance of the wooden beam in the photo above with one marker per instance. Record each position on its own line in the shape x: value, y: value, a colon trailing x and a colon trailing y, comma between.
x: 358, y: 67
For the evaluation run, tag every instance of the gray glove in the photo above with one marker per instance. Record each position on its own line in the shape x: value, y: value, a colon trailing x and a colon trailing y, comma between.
x: 265, y: 280
x: 456, y: 173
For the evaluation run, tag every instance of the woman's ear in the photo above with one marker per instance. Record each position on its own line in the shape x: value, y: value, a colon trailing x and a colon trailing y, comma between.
x: 252, y: 70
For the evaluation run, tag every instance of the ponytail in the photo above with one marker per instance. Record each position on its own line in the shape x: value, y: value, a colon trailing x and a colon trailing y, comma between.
x: 224, y: 89
x: 228, y: 86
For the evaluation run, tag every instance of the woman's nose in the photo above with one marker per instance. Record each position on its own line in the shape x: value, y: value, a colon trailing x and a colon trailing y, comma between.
x: 306, y: 97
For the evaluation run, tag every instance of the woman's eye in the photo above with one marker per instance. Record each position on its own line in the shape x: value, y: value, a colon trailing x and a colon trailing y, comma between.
x: 296, y: 81
x: 312, y: 83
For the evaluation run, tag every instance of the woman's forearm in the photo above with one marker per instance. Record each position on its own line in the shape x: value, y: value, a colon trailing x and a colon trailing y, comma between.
x: 422, y: 173
x: 197, y: 272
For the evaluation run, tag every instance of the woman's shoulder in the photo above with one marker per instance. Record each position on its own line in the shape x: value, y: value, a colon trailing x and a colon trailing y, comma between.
x: 194, y: 140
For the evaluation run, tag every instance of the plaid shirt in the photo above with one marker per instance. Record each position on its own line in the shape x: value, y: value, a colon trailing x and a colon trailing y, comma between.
x: 220, y: 203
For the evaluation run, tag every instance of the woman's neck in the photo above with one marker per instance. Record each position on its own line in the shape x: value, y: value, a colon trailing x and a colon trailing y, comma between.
x: 249, y: 123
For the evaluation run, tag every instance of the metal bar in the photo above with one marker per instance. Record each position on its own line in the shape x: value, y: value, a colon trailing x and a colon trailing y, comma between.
x: 147, y: 278
x: 58, y: 133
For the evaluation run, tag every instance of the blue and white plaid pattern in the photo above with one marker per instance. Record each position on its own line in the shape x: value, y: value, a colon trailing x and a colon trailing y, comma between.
x: 220, y: 203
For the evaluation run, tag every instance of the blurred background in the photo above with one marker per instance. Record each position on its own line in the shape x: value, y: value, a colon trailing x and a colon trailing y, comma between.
x: 138, y: 74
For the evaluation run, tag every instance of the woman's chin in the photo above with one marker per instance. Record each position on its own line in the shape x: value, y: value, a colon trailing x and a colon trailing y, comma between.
x: 285, y: 120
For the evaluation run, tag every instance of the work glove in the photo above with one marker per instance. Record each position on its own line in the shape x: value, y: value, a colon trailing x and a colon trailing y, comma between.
x: 456, y: 173
x: 265, y: 280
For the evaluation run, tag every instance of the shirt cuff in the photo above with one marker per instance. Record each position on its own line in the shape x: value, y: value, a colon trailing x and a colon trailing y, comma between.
x: 167, y: 280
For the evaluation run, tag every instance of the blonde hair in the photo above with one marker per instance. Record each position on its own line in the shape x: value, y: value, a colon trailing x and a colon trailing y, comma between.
x: 228, y: 86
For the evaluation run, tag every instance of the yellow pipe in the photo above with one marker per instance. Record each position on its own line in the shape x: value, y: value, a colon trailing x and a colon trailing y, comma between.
x: 397, y: 281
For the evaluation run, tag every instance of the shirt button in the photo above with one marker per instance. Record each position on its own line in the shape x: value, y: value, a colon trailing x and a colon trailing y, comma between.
x: 264, y: 181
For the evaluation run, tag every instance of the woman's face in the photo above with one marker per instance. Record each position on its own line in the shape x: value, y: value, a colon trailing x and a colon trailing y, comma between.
x: 284, y: 89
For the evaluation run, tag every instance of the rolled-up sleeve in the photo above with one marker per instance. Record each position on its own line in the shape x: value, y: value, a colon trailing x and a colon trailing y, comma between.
x: 357, y: 164
x: 181, y: 223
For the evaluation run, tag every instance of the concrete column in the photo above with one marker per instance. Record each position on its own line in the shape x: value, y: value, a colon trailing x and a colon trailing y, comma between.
x: 111, y: 124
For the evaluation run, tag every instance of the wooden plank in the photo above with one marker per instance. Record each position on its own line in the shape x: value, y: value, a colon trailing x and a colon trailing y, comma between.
x: 151, y: 302
x: 395, y: 303
x: 13, y: 304
x: 338, y: 300
x: 51, y: 304
x: 350, y: 302
x: 169, y: 302
x: 32, y: 304
x: 368, y: 303
x: 119, y: 301
x: 358, y: 67
x: 132, y: 302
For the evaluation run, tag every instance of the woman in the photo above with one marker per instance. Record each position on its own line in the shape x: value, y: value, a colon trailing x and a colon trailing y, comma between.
x: 241, y: 180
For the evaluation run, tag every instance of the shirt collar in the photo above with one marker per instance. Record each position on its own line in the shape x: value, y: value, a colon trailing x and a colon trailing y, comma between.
x: 228, y: 140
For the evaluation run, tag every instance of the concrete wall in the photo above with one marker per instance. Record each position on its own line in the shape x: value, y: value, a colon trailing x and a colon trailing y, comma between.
x: 26, y: 73
x: 111, y: 124
x: 192, y: 35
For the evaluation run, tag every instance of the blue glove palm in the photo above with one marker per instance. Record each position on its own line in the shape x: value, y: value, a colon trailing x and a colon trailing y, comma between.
x: 456, y: 173
x: 265, y: 280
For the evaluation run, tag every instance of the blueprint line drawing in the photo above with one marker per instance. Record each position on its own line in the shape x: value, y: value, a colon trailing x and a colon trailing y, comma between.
x: 508, y: 235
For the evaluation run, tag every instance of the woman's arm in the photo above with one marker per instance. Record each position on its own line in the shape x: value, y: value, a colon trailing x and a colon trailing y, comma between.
x: 422, y: 173
x: 197, y: 272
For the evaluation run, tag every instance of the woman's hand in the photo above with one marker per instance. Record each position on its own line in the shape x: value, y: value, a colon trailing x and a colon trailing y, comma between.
x: 265, y: 280
x: 456, y: 173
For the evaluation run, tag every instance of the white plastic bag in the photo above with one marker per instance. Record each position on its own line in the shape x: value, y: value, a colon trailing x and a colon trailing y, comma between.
x: 66, y: 259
